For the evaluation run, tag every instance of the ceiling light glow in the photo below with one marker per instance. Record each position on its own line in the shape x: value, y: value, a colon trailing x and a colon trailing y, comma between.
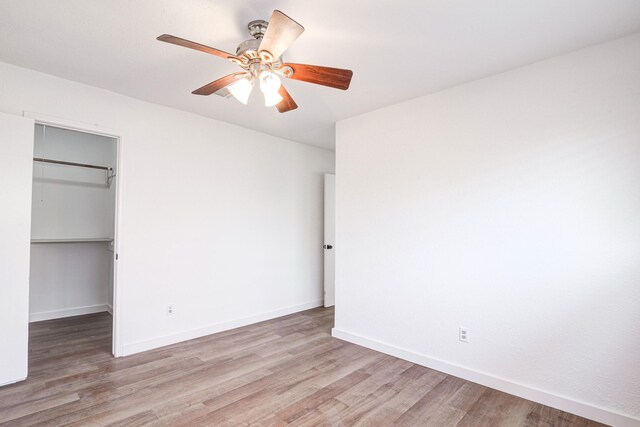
x: 241, y: 90
x: 269, y: 85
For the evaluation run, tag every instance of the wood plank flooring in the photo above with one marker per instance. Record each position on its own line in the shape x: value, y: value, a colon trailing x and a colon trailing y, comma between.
x: 286, y: 371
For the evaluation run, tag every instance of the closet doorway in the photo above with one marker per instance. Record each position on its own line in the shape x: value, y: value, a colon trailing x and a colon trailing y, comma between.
x: 74, y: 232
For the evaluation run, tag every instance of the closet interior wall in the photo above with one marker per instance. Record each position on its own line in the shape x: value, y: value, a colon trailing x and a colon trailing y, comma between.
x: 72, y: 225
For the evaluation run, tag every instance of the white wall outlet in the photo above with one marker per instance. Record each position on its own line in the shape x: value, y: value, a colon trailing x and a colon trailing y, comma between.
x: 170, y: 310
x: 463, y: 334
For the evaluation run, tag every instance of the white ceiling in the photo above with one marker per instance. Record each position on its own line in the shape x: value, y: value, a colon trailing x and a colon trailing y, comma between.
x: 398, y: 50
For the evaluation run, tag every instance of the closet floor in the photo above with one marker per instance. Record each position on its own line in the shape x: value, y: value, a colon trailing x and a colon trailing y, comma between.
x: 284, y: 371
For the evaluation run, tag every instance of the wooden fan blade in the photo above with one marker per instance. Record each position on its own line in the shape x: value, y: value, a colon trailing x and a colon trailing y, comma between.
x: 197, y: 46
x: 287, y: 103
x: 216, y: 85
x: 281, y: 32
x: 325, y: 76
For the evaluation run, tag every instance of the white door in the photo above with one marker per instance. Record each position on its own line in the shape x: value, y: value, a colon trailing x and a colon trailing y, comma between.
x: 16, y: 168
x: 329, y: 239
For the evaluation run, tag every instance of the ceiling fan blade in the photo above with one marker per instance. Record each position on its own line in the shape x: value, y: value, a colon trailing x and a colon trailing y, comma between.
x: 326, y: 76
x: 287, y: 103
x: 197, y: 46
x: 216, y: 85
x: 281, y: 32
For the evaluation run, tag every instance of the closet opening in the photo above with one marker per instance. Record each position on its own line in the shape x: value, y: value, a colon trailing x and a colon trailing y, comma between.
x: 73, y: 242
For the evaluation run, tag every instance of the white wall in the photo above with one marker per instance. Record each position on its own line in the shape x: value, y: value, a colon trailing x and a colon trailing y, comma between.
x: 16, y: 152
x: 510, y: 206
x: 68, y: 279
x: 222, y: 222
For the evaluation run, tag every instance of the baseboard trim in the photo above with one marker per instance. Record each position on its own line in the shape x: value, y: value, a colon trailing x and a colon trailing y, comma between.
x: 153, y: 343
x: 109, y: 309
x: 12, y: 381
x: 76, y: 311
x: 546, y: 398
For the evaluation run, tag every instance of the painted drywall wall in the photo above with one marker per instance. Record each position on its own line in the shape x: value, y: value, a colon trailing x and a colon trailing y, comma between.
x: 68, y: 202
x: 509, y: 206
x: 68, y: 279
x: 222, y: 222
x: 16, y: 148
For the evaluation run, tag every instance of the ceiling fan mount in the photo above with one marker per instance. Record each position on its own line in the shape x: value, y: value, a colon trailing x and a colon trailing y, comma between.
x: 261, y: 60
x: 248, y: 52
x: 257, y: 28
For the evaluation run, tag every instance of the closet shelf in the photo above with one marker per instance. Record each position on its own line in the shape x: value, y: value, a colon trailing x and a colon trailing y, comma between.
x: 76, y: 240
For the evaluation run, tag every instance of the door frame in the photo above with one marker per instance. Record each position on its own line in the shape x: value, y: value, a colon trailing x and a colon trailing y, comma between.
x: 329, y: 297
x: 119, y: 136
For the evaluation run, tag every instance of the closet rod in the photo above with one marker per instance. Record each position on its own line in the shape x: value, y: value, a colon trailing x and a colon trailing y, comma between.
x: 62, y: 162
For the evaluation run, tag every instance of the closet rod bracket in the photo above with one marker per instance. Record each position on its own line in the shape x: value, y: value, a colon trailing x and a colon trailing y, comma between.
x: 110, y: 176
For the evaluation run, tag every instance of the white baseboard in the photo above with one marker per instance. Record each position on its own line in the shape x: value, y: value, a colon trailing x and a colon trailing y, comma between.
x: 109, y: 309
x: 546, y: 398
x: 75, y: 311
x: 12, y: 381
x: 145, y: 345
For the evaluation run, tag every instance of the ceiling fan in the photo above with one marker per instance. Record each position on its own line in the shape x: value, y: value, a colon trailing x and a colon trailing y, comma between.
x: 261, y: 60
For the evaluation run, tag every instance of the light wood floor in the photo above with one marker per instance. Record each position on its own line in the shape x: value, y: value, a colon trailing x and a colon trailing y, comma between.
x: 284, y: 371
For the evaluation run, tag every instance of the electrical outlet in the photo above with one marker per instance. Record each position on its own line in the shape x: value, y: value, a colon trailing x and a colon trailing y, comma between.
x: 170, y: 310
x: 463, y: 334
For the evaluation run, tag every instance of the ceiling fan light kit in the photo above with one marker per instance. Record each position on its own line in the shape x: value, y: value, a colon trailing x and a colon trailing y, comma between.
x: 241, y: 90
x: 270, y: 84
x: 261, y: 61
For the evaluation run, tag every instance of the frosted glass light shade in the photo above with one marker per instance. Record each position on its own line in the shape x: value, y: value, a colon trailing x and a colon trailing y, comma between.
x: 241, y: 90
x: 269, y: 85
x: 269, y: 81
x: 271, y: 98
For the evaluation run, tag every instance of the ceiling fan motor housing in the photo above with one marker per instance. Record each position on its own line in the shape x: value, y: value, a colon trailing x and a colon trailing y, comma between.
x: 248, y: 50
